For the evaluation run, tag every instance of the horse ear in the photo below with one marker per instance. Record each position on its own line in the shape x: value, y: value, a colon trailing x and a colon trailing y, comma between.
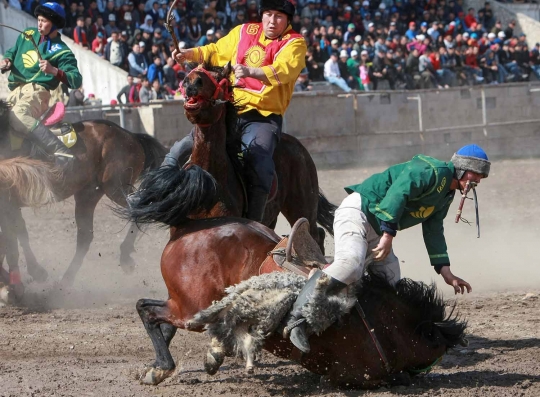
x: 227, y: 69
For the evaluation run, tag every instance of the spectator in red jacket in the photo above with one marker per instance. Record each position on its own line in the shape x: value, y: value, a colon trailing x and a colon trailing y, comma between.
x: 79, y: 33
x: 470, y: 18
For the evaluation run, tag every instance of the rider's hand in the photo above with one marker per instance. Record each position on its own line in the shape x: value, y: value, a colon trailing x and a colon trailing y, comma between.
x: 6, y: 64
x: 384, y: 247
x: 456, y: 282
x: 240, y: 71
x: 47, y: 68
x: 180, y: 56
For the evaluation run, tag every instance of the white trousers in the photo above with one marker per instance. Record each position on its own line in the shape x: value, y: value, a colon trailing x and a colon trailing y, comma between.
x: 354, y: 240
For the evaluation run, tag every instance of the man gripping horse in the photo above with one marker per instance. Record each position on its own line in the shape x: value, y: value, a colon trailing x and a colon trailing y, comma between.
x: 35, y: 72
x: 419, y: 191
x: 267, y: 58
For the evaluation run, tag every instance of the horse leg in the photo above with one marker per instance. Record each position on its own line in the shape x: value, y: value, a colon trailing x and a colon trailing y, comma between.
x: 127, y: 247
x: 9, y: 233
x: 153, y: 313
x: 214, y: 357
x: 36, y: 271
x: 85, y: 204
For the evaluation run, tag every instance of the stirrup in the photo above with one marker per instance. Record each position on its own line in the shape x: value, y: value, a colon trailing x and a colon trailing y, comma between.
x: 288, y: 328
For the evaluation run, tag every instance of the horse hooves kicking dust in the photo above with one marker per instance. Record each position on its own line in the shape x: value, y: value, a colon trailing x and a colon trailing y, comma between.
x: 155, y: 376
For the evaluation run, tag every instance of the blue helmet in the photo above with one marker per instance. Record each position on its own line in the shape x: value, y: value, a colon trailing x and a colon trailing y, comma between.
x: 53, y: 12
x: 471, y: 158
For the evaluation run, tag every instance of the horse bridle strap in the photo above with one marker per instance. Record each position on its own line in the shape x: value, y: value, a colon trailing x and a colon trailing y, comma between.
x: 371, y: 332
x: 221, y: 87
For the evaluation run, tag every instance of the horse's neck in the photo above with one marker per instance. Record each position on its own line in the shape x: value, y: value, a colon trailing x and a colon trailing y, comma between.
x: 209, y: 151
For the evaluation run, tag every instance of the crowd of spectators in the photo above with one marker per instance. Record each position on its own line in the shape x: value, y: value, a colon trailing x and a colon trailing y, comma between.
x: 354, y: 44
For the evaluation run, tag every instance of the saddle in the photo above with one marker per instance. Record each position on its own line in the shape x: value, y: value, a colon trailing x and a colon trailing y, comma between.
x: 298, y: 252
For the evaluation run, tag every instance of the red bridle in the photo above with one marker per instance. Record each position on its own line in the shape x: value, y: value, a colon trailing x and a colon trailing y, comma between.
x: 221, y: 88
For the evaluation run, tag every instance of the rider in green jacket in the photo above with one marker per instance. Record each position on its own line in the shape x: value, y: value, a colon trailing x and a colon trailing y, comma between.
x: 31, y: 79
x: 419, y: 191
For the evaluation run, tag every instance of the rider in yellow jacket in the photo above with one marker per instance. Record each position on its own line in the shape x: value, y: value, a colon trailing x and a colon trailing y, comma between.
x: 267, y: 58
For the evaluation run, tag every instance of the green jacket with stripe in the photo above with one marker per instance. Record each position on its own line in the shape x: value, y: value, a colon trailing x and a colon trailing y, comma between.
x: 25, y: 62
x: 410, y: 193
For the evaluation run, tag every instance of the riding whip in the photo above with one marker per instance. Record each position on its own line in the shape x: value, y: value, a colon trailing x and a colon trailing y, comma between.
x: 168, y: 24
x: 468, y: 186
x: 28, y: 36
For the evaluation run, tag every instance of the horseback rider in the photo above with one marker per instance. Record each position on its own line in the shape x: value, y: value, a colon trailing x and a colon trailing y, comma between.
x: 366, y: 222
x: 267, y: 58
x: 34, y: 75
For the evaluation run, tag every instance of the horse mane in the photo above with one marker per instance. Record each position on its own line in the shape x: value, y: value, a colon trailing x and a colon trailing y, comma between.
x: 436, y: 324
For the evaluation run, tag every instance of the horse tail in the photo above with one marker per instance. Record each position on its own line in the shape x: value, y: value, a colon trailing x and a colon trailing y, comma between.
x: 32, y: 181
x: 154, y: 152
x: 325, y: 213
x: 168, y: 194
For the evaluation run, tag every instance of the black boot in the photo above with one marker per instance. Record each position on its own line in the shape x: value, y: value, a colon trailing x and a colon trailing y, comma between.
x: 296, y: 323
x: 256, y: 204
x: 50, y: 143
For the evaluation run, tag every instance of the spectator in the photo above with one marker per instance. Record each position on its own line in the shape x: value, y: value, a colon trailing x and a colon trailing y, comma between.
x: 111, y: 25
x: 137, y: 62
x: 134, y: 91
x: 353, y: 66
x: 535, y: 60
x: 98, y: 45
x: 146, y: 92
x: 79, y: 33
x: 344, y: 70
x: 160, y: 92
x: 169, y: 74
x: 155, y: 70
x: 332, y: 74
x: 124, y: 92
x: 116, y: 51
x: 148, y: 25
x: 194, y: 31
x: 302, y: 82
x: 76, y: 97
x: 207, y: 39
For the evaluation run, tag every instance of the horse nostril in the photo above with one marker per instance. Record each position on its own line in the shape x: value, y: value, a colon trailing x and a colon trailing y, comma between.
x: 191, y: 91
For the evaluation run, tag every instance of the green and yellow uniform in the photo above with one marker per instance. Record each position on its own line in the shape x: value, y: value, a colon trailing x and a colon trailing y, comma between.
x: 30, y: 87
x: 408, y: 194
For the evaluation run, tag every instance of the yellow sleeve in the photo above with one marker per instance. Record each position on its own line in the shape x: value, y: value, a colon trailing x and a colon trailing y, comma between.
x: 218, y: 54
x: 288, y: 64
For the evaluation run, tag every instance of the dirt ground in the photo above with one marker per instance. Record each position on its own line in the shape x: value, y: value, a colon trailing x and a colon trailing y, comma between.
x: 89, y: 341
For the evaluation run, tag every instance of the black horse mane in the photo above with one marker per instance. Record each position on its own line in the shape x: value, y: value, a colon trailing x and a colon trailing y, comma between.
x: 436, y: 324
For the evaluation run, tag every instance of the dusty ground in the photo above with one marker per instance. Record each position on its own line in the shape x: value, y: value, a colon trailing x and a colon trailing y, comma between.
x: 88, y: 341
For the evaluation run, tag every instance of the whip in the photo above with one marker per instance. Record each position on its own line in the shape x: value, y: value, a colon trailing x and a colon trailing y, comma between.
x: 28, y: 36
x: 468, y: 186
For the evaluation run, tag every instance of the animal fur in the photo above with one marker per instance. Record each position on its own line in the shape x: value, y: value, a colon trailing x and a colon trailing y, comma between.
x: 255, y: 308
x: 32, y: 181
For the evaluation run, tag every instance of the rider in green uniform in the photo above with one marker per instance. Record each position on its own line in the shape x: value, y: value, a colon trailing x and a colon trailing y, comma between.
x: 32, y: 79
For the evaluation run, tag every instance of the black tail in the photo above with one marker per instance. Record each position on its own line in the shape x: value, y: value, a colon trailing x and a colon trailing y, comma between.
x: 325, y: 213
x: 154, y: 152
x: 168, y: 194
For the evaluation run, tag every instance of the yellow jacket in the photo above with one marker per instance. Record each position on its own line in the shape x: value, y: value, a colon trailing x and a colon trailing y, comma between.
x: 281, y: 60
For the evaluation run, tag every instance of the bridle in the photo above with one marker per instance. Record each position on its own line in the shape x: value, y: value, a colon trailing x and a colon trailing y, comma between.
x: 221, y: 88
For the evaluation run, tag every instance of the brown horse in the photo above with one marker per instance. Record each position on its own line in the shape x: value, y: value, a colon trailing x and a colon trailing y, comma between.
x: 210, y: 183
x: 206, y: 256
x: 109, y: 160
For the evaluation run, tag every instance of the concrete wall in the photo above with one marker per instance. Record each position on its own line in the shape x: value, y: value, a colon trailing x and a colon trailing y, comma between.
x: 525, y: 15
x: 99, y: 76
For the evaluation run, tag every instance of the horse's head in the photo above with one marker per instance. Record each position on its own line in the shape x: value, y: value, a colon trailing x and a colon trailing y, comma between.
x: 206, y: 92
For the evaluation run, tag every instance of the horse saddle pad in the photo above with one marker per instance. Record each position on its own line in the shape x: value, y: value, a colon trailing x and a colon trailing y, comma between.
x: 298, y: 253
x: 66, y: 133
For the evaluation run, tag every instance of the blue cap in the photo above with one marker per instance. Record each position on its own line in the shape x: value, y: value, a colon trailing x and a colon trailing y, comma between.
x: 473, y: 151
x: 423, y: 24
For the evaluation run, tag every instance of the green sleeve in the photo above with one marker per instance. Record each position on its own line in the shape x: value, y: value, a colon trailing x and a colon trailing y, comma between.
x: 12, y: 52
x: 66, y: 62
x: 433, y: 232
x: 413, y: 182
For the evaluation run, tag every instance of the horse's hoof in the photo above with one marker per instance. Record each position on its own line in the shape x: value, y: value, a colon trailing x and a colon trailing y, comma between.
x: 5, y: 295
x: 38, y: 273
x: 250, y: 369
x: 212, y: 362
x: 16, y: 293
x: 154, y: 376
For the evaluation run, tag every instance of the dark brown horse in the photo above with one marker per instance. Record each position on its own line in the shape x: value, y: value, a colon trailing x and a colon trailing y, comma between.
x: 210, y: 184
x: 109, y: 160
x: 206, y: 256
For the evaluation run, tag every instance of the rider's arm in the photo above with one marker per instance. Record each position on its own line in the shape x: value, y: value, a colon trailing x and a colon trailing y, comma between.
x: 68, y: 73
x: 288, y: 64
